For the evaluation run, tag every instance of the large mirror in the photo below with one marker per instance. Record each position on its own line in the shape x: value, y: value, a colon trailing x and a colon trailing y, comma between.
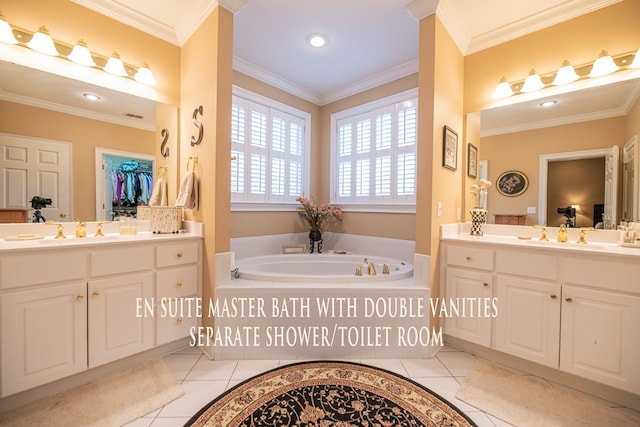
x: 51, y: 123
x: 571, y: 153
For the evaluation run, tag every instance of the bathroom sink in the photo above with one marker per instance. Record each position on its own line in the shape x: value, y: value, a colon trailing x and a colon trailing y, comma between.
x: 572, y: 245
x: 75, y: 240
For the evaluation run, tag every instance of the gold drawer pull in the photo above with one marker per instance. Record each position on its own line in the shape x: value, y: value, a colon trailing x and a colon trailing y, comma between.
x: 485, y: 284
x: 179, y: 321
x: 568, y: 299
x: 95, y: 293
x: 554, y: 296
x: 468, y: 258
x: 80, y: 297
x: 179, y: 254
x: 179, y: 283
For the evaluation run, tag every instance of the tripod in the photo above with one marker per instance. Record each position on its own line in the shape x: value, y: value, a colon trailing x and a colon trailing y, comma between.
x: 37, y: 216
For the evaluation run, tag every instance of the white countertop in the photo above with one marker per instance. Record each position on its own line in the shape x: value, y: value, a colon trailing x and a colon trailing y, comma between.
x: 605, y: 242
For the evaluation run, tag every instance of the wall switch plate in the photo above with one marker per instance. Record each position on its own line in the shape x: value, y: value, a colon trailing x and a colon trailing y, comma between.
x: 531, y: 210
x: 439, y: 208
x: 458, y: 214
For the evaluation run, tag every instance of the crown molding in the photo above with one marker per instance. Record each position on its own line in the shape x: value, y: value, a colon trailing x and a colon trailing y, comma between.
x: 422, y: 8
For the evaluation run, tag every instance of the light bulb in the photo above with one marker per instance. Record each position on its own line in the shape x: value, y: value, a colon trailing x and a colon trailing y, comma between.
x: 42, y: 42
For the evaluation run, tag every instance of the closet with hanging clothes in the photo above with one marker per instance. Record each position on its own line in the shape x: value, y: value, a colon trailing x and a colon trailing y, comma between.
x: 130, y: 182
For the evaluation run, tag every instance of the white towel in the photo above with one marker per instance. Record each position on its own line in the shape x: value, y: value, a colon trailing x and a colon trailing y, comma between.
x: 188, y: 195
x: 159, y: 193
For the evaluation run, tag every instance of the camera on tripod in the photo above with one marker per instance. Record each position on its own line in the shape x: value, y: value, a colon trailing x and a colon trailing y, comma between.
x: 38, y: 203
x: 570, y: 214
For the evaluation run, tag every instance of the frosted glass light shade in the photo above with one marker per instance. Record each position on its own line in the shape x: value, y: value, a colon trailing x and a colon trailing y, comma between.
x: 532, y: 82
x: 636, y: 60
x: 503, y: 90
x: 566, y: 74
x: 115, y: 65
x: 6, y: 34
x: 43, y: 43
x: 604, y: 65
x: 81, y: 55
x: 144, y: 75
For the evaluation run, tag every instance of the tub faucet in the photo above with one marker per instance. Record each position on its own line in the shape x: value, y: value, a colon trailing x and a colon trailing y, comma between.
x: 372, y: 269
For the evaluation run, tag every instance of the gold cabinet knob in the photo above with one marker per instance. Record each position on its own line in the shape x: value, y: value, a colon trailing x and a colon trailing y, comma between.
x: 468, y: 258
x: 179, y: 254
x: 485, y: 284
x: 568, y: 299
x: 179, y: 321
x: 95, y: 293
x: 554, y: 296
x: 80, y: 297
x: 179, y: 283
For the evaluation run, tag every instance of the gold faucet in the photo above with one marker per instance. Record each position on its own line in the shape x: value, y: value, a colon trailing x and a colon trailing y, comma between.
x: 543, y: 233
x: 562, y: 234
x: 60, y: 232
x: 581, y: 236
x: 385, y: 269
x: 81, y: 230
x: 99, y: 232
x: 372, y: 269
x: 359, y: 270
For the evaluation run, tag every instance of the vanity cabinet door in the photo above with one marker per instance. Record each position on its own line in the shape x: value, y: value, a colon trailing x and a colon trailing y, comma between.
x: 43, y: 335
x: 461, y: 284
x: 600, y: 338
x: 528, y: 321
x: 116, y: 329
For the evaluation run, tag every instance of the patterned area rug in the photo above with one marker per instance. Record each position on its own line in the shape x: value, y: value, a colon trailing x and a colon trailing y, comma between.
x: 329, y: 394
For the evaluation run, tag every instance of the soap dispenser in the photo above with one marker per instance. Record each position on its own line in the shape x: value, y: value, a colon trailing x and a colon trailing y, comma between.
x: 562, y: 234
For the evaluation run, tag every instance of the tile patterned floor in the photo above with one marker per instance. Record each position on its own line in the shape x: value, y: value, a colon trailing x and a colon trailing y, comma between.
x: 203, y: 379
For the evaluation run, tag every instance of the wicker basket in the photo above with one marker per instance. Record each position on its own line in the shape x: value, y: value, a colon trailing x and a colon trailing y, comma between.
x: 162, y: 219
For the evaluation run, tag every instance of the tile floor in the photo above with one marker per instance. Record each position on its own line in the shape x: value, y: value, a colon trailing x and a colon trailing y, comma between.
x: 203, y: 379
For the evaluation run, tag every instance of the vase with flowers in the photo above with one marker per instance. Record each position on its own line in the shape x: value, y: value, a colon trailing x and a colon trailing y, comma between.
x: 316, y: 216
x: 479, y: 211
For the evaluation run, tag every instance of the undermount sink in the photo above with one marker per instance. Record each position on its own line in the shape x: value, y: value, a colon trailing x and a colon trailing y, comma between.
x: 72, y: 239
x: 572, y: 245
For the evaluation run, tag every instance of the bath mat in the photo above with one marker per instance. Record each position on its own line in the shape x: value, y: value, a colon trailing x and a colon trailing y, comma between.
x: 113, y: 400
x: 525, y: 401
x: 328, y: 393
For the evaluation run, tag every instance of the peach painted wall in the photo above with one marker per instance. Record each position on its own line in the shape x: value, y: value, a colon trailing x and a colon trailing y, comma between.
x: 85, y: 135
x: 616, y: 31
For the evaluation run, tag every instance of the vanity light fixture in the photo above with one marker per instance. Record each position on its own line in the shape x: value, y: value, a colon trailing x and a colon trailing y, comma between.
x: 317, y: 40
x: 81, y: 55
x: 43, y: 43
x: 503, y: 90
x: 6, y: 34
x: 144, y: 75
x: 604, y: 65
x: 91, y: 96
x: 636, y: 60
x: 532, y: 82
x: 566, y: 74
x: 547, y: 104
x: 115, y: 65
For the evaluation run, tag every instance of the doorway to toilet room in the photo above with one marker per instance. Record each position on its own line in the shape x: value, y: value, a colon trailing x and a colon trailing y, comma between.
x: 124, y: 181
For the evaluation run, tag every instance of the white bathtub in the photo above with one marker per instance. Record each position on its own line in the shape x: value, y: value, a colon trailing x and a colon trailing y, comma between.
x: 319, y: 268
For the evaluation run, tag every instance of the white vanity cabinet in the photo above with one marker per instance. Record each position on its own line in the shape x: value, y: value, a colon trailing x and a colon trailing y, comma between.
x: 66, y: 309
x: 468, y: 275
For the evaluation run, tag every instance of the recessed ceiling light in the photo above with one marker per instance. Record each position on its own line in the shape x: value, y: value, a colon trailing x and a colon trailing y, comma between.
x: 548, y: 103
x: 91, y: 96
x: 317, y: 40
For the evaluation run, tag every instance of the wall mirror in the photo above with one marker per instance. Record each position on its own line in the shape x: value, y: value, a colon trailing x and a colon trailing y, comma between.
x: 117, y: 122
x: 592, y: 122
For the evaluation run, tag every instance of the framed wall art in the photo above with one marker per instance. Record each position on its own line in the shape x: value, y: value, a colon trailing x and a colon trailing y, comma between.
x: 449, y: 148
x: 512, y: 183
x: 472, y: 160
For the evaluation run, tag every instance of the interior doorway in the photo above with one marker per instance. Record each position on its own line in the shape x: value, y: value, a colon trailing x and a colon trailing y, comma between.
x: 124, y: 181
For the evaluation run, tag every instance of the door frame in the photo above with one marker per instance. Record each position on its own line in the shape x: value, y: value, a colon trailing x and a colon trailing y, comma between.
x: 100, y: 188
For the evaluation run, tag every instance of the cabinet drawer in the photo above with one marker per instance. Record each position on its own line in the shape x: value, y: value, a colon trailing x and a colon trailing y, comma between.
x: 37, y: 268
x: 620, y: 275
x: 473, y: 257
x: 121, y: 260
x: 528, y: 264
x: 173, y: 328
x: 183, y: 253
x: 177, y: 282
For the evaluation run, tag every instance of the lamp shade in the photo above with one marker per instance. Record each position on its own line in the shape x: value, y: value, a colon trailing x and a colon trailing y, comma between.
x: 6, y: 34
x: 503, y: 90
x: 42, y: 42
x: 115, y: 65
x: 144, y: 75
x: 81, y: 55
x: 566, y: 74
x: 532, y: 82
x: 604, y: 65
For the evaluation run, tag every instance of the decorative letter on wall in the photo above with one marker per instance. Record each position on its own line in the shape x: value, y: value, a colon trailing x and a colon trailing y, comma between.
x: 164, y: 150
x: 197, y: 141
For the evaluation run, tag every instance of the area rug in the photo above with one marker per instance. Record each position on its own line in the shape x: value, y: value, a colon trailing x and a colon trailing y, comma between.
x: 524, y: 401
x: 113, y: 400
x: 329, y: 394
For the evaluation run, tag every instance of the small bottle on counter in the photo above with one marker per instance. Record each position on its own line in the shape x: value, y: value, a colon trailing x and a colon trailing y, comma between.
x: 128, y: 225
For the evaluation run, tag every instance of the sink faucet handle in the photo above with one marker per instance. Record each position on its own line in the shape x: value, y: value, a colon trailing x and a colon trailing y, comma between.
x: 99, y: 232
x: 581, y: 236
x: 60, y: 231
x: 543, y: 233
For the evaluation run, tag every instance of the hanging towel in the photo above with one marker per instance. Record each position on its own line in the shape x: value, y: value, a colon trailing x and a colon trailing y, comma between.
x: 159, y: 193
x: 188, y: 195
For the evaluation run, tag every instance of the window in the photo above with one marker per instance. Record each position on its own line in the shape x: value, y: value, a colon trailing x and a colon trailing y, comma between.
x: 373, y: 159
x: 269, y: 146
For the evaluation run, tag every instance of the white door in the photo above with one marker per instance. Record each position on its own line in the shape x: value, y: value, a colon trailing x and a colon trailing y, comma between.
x: 36, y: 167
x: 611, y: 185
